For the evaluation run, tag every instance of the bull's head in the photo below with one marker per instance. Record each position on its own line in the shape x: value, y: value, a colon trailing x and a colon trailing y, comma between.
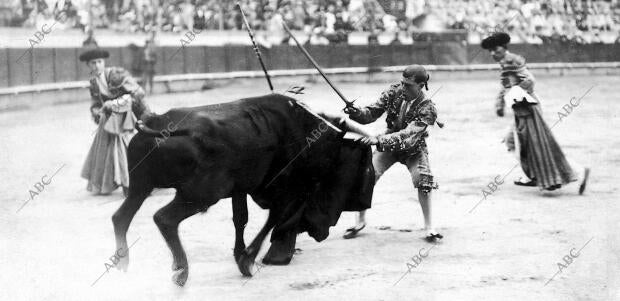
x: 336, y: 122
x: 327, y: 174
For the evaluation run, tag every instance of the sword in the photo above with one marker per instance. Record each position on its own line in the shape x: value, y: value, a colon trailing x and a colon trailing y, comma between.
x: 348, y: 104
x: 256, y: 50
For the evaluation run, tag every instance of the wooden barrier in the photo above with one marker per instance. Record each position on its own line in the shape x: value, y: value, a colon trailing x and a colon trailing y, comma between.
x: 58, y: 65
x: 167, y: 79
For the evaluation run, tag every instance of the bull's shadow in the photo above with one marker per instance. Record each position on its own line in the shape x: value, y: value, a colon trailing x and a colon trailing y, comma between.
x: 289, y: 159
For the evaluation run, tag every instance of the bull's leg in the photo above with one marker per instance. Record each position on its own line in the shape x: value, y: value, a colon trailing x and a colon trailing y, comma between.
x: 122, y: 218
x: 240, y: 219
x: 168, y: 219
x: 246, y: 260
x: 282, y: 248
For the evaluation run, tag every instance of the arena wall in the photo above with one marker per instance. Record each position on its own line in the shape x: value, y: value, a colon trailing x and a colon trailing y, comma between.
x: 28, y: 77
x: 35, y: 67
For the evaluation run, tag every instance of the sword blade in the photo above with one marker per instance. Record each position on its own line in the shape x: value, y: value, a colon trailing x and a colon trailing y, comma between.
x: 316, y: 65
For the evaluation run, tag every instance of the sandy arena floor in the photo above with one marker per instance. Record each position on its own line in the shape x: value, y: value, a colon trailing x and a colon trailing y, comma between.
x: 507, y: 248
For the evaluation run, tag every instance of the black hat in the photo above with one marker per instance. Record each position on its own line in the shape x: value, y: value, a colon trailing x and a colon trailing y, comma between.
x: 496, y: 39
x: 415, y: 74
x: 94, y: 54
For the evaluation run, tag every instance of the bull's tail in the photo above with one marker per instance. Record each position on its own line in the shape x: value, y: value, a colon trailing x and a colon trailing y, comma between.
x: 142, y: 128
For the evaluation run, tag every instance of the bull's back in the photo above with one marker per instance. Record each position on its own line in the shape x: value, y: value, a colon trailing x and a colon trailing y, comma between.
x: 238, y: 138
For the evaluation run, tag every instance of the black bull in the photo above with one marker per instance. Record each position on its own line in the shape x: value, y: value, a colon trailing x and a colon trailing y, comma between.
x: 271, y: 147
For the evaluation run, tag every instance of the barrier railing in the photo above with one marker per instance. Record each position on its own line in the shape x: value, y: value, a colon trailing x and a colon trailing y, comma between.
x: 302, y: 72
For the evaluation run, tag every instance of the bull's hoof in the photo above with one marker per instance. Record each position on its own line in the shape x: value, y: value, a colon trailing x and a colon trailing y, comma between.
x: 284, y: 260
x: 179, y: 277
x: 237, y: 253
x: 245, y: 263
x: 281, y: 252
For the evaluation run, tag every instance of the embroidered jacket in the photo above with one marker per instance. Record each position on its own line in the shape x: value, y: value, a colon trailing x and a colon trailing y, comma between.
x: 119, y: 83
x: 406, y: 119
x: 514, y: 72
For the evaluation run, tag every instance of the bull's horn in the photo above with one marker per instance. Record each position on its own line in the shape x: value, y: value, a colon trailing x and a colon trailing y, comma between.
x: 141, y: 127
x: 346, y: 124
x: 356, y: 127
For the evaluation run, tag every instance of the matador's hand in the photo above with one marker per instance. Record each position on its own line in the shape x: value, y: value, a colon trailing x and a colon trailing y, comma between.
x: 352, y: 110
x: 107, y: 107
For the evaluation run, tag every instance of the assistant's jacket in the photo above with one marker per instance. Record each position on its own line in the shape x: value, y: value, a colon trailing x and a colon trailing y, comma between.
x: 118, y: 82
x: 514, y: 72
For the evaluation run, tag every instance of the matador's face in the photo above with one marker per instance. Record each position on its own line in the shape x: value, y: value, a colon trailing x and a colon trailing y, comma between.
x: 96, y: 66
x: 498, y: 53
x: 414, y: 89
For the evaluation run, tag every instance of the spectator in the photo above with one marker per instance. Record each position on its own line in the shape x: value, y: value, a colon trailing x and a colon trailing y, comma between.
x: 200, y: 22
x: 531, y: 19
x: 149, y: 58
x: 90, y: 39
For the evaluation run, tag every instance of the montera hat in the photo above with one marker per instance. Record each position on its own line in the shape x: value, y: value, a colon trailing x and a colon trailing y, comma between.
x: 94, y: 54
x: 496, y: 39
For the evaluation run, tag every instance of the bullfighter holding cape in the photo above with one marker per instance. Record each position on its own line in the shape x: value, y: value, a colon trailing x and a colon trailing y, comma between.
x: 117, y: 103
x: 541, y: 157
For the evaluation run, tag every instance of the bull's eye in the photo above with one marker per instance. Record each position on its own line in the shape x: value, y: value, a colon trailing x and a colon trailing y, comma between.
x: 290, y: 103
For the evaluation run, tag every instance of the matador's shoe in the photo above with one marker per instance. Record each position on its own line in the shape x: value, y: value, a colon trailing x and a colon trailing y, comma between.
x: 433, y: 237
x: 530, y: 183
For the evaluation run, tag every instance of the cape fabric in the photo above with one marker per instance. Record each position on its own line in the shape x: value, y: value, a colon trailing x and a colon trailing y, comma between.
x: 541, y: 156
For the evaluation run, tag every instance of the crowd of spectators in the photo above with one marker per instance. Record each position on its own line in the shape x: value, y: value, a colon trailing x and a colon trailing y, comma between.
x: 331, y: 21
x: 533, y: 21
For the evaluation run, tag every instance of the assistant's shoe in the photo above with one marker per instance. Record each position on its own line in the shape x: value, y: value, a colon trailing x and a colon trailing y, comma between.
x: 352, y: 232
x: 553, y: 187
x: 584, y: 181
x: 530, y: 183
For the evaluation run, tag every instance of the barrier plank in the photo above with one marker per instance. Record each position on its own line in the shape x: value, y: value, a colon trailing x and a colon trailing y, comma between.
x: 194, y: 60
x: 172, y: 60
x: 4, y: 68
x: 236, y: 58
x: 67, y: 65
x: 280, y: 57
x: 400, y: 54
x: 20, y: 66
x: 448, y: 53
x: 421, y: 53
x: 359, y: 55
x: 215, y: 58
x: 339, y: 56
x: 43, y: 66
x: 377, y: 55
